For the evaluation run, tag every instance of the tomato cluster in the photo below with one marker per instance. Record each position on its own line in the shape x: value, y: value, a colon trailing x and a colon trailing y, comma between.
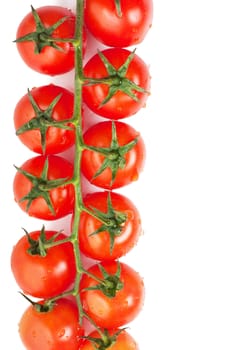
x: 48, y: 265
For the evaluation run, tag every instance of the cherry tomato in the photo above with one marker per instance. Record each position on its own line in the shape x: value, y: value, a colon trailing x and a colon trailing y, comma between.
x: 121, y: 104
x: 49, y: 60
x: 43, y: 276
x: 118, y: 310
x: 123, y: 26
x: 123, y: 341
x: 130, y: 163
x: 35, y: 107
x: 31, y: 180
x: 57, y: 329
x: 117, y: 235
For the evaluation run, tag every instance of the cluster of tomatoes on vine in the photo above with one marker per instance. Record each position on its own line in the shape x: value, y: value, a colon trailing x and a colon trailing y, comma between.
x: 114, y: 84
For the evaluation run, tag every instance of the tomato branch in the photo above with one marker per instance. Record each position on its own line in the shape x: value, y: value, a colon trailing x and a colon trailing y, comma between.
x: 78, y: 204
x: 111, y: 220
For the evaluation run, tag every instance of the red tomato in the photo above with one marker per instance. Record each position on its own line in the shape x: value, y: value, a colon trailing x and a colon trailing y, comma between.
x: 101, y: 135
x: 43, y: 276
x: 124, y: 230
x: 61, y: 198
x: 123, y: 341
x: 111, y: 312
x: 56, y: 139
x: 57, y: 329
x: 120, y: 105
x: 111, y: 28
x: 49, y: 60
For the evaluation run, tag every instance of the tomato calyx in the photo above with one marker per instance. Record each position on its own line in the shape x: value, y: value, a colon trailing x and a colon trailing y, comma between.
x: 40, y: 187
x: 110, y: 284
x: 42, y: 120
x: 113, y: 221
x: 42, y: 36
x: 117, y: 80
x: 105, y: 341
x: 44, y: 306
x: 39, y: 246
x: 114, y: 155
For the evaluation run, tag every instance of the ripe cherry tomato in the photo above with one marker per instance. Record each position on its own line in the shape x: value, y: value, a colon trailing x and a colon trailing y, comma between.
x: 130, y: 163
x: 123, y: 341
x: 50, y: 60
x: 118, y: 310
x: 119, y: 27
x: 57, y: 329
x: 43, y: 276
x: 121, y: 104
x: 50, y: 204
x: 113, y: 238
x: 35, y: 107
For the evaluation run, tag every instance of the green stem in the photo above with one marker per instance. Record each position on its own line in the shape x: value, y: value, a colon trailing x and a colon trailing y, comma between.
x: 78, y: 148
x: 57, y: 40
x: 91, y: 275
x: 109, y: 80
x: 62, y: 295
x: 90, y: 212
x: 94, y: 325
x: 55, y: 243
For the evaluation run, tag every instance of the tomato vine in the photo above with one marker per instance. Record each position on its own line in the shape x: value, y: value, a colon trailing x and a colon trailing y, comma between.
x: 109, y: 281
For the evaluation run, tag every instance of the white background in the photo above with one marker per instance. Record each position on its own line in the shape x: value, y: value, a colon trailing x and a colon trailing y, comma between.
x: 185, y: 194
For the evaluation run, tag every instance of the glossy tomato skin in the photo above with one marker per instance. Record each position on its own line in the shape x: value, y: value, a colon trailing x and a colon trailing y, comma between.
x: 57, y: 329
x: 57, y: 139
x: 100, y: 135
x: 62, y: 198
x: 43, y: 276
x: 106, y: 26
x: 119, y: 310
x: 50, y: 60
x: 97, y: 246
x: 120, y: 105
x: 124, y: 341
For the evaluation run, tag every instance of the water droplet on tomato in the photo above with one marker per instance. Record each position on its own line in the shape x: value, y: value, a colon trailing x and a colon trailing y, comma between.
x: 135, y: 176
x: 130, y: 214
x: 61, y: 333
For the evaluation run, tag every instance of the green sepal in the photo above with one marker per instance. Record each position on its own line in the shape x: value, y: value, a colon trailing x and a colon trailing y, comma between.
x: 114, y: 155
x: 40, y: 187
x: 38, y: 246
x: 42, y: 120
x: 106, y: 341
x: 118, y: 8
x: 43, y: 35
x: 113, y: 221
x: 110, y: 284
x: 119, y: 82
x: 40, y: 307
